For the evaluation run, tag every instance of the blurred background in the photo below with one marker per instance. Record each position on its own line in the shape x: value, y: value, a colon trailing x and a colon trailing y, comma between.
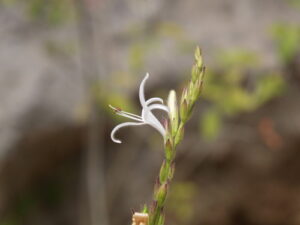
x: 63, y: 61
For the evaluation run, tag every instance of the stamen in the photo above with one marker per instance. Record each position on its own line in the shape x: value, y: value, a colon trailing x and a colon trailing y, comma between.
x: 115, y: 109
x: 133, y: 117
x: 131, y: 114
x: 120, y: 112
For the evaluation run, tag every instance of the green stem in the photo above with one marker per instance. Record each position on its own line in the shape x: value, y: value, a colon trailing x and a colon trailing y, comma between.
x: 174, y: 136
x: 165, y: 178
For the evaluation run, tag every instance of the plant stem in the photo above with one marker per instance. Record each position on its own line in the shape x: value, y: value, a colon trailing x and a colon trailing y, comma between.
x: 174, y: 136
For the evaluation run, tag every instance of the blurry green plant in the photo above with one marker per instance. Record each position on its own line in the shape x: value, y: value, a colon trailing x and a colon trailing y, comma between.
x: 53, y: 12
x: 146, y: 42
x: 228, y: 94
x: 287, y: 38
x: 137, y: 54
x: 295, y: 3
x: 211, y: 123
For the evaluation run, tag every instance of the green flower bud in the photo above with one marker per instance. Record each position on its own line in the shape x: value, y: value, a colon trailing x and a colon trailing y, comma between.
x: 145, y: 209
x: 167, y: 129
x: 172, y: 171
x: 191, y: 91
x: 164, y: 171
x: 173, y: 112
x: 169, y: 150
x: 184, y: 95
x: 198, y: 84
x: 184, y: 111
x: 157, y: 184
x: 198, y: 57
x: 198, y: 88
x: 195, y: 73
x: 162, y: 194
x: 179, y: 135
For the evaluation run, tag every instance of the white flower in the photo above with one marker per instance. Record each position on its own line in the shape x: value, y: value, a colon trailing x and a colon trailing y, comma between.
x: 146, y: 117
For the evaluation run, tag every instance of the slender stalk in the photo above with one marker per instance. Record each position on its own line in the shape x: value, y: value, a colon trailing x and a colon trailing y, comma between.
x: 175, y: 132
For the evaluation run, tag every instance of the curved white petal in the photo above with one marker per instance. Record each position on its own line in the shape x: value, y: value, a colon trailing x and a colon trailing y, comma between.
x: 151, y: 100
x: 150, y: 119
x: 142, y: 90
x: 159, y: 106
x: 127, y: 124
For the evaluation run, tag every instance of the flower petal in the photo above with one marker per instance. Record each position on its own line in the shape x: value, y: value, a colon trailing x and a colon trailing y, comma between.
x: 154, y: 122
x: 159, y: 106
x: 142, y: 90
x: 150, y: 119
x: 127, y: 124
x: 151, y: 100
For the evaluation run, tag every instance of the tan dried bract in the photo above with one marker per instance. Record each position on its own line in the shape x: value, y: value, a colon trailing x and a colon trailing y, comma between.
x: 140, y: 219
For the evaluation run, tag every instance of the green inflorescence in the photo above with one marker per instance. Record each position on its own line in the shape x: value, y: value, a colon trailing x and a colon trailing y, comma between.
x: 178, y: 116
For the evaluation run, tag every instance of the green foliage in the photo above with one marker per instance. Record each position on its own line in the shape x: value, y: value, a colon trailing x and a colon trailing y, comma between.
x: 287, y: 38
x: 228, y: 94
x: 211, y: 124
x: 51, y: 11
x: 145, y: 209
x: 175, y: 32
x: 54, y: 11
x: 137, y: 56
x: 268, y: 87
x: 170, y: 29
x: 294, y: 3
x: 148, y: 40
x: 238, y: 59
